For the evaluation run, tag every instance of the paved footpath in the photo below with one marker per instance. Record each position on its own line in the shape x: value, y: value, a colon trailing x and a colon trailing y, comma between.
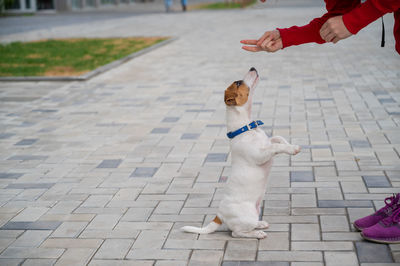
x: 105, y: 172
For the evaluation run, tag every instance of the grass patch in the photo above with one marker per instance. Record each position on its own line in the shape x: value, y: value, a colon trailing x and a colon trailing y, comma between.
x: 66, y: 57
x: 16, y: 14
x: 225, y: 5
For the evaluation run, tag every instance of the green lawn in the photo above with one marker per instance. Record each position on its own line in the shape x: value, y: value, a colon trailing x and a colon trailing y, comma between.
x: 226, y: 5
x: 66, y: 57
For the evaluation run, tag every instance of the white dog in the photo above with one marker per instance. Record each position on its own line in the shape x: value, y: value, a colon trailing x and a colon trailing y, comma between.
x: 252, y: 153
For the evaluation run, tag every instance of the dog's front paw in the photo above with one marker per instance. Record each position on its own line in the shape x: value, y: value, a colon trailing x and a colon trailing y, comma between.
x: 260, y: 234
x: 294, y: 149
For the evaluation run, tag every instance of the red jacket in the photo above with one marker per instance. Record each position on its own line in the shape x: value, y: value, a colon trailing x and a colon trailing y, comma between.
x: 356, y: 15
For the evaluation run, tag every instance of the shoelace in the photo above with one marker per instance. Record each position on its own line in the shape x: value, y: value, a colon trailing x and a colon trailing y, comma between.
x: 394, y: 218
x: 391, y: 203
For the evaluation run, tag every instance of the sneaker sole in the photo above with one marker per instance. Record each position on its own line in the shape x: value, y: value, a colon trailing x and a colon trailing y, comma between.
x: 380, y: 241
x: 357, y: 228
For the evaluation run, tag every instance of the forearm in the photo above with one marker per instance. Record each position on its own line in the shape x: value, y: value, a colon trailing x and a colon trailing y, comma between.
x: 311, y: 32
x: 305, y: 34
x: 368, y: 12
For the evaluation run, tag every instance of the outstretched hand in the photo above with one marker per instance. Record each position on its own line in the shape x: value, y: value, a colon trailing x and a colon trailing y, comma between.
x: 334, y: 30
x: 270, y: 42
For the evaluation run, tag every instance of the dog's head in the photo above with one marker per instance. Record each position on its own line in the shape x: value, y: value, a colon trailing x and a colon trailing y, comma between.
x: 239, y: 92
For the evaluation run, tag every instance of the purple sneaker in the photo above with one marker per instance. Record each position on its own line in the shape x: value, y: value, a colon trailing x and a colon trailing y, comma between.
x: 392, y: 203
x: 386, y: 231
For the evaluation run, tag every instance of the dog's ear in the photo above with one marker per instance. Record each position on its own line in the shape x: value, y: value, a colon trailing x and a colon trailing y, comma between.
x: 235, y: 95
x: 230, y: 95
x: 242, y: 94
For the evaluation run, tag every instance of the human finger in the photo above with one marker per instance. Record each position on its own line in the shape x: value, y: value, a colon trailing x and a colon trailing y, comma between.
x: 324, y: 32
x: 275, y: 46
x: 263, y: 37
x: 251, y: 48
x: 330, y: 37
x: 251, y: 42
x: 265, y: 45
x: 336, y: 39
x: 324, y: 27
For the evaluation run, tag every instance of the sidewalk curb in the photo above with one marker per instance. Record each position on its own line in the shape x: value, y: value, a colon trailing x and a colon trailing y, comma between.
x: 95, y: 72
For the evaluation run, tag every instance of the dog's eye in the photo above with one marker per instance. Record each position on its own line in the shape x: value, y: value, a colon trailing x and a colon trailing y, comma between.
x: 238, y: 83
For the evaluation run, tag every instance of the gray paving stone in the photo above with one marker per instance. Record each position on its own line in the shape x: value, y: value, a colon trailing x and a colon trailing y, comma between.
x: 289, y: 256
x: 30, y: 214
x: 10, y: 175
x: 39, y: 262
x: 150, y: 239
x: 372, y: 252
x: 31, y: 238
x: 190, y: 136
x: 69, y: 229
x: 29, y: 185
x: 171, y: 119
x: 376, y: 181
x: 26, y: 142
x: 255, y: 263
x: 216, y: 157
x: 129, y: 263
x: 241, y: 250
x: 144, y: 172
x: 334, y: 223
x: 305, y: 232
x: 38, y: 225
x: 341, y: 258
x: 359, y: 144
x: 208, y: 257
x: 32, y: 253
x: 137, y: 214
x: 387, y: 100
x: 160, y: 130
x: 321, y: 245
x: 301, y: 176
x: 76, y: 256
x: 27, y: 158
x: 318, y: 99
x: 275, y: 241
x: 344, y: 203
x: 104, y: 222
x: 11, y: 262
x: 304, y: 200
x: 114, y: 249
x: 110, y: 163
x: 6, y: 135
x: 162, y: 254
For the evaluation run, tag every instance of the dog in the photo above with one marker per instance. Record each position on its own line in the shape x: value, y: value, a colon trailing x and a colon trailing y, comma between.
x: 252, y: 157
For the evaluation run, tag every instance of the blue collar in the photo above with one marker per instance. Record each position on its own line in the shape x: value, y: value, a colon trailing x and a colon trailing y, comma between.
x: 248, y: 127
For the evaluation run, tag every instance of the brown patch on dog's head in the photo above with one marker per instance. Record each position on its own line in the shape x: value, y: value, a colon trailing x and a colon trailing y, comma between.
x: 236, y: 94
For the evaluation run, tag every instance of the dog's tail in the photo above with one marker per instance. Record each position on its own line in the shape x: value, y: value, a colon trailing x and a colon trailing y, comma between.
x: 211, y: 227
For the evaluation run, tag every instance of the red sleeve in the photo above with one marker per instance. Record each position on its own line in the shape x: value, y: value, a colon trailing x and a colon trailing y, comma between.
x: 310, y: 33
x: 368, y: 12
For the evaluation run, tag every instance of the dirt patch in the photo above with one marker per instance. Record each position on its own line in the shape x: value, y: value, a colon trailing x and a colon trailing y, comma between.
x: 21, y: 65
x: 34, y: 56
x: 63, y: 71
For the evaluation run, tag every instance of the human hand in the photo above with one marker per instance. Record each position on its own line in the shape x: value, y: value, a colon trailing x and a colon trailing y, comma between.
x: 334, y: 30
x: 270, y: 42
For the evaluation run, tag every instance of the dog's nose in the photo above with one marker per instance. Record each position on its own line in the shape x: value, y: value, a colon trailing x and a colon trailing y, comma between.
x: 253, y: 69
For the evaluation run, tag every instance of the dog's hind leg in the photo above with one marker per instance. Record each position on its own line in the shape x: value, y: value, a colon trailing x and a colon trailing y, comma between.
x: 252, y: 234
